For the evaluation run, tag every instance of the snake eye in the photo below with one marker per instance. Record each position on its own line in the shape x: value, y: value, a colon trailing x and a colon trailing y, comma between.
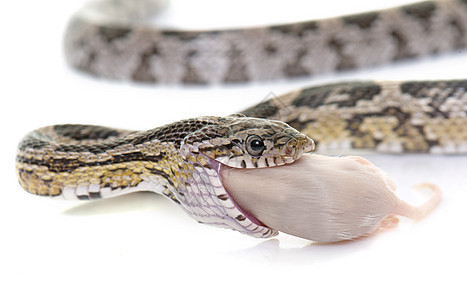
x: 255, y: 145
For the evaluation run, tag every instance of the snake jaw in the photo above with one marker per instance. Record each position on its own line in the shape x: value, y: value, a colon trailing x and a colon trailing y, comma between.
x: 206, y: 199
x: 213, y: 149
x: 242, y: 142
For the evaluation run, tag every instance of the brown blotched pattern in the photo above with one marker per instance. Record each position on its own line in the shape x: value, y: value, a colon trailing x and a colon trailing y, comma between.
x: 425, y: 116
x: 126, y: 50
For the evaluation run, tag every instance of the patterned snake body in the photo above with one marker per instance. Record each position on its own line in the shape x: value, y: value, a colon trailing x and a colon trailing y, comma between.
x: 180, y: 160
x: 183, y: 160
x: 394, y: 117
x: 103, y: 41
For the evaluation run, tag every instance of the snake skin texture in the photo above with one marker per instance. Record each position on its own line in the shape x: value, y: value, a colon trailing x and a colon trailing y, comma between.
x: 112, y: 46
x: 180, y: 160
x: 390, y: 117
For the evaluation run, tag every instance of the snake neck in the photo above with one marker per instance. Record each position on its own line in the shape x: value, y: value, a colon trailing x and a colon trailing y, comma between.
x: 203, y: 196
x: 83, y: 161
x: 54, y: 159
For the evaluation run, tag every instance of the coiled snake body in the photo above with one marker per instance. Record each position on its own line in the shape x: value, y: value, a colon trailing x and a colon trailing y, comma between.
x: 182, y: 160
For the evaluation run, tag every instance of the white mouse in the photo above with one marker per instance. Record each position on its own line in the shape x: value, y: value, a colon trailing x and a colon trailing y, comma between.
x: 324, y: 199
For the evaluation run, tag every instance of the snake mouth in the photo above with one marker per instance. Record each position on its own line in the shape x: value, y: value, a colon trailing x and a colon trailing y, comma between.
x: 291, y: 152
x: 242, y: 215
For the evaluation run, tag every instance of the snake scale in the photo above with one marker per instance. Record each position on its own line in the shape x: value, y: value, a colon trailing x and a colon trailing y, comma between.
x: 182, y: 160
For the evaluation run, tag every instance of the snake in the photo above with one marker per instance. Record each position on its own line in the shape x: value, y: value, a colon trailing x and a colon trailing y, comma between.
x: 183, y: 160
x: 115, y: 39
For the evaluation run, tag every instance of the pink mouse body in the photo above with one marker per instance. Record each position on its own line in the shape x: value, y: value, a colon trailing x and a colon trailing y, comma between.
x: 325, y: 199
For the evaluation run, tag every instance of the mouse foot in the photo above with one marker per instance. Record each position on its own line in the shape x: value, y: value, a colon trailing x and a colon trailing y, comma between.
x: 389, y: 223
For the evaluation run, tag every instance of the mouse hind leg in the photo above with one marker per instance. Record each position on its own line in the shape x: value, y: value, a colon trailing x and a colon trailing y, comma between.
x: 389, y: 223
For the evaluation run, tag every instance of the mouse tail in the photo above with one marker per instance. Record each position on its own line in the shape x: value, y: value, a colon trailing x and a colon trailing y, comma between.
x: 419, y: 212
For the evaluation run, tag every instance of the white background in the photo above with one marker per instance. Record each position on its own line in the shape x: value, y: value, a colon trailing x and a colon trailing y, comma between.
x: 142, y: 246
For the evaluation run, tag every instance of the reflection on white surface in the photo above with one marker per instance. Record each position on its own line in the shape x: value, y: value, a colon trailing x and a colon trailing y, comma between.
x: 271, y: 252
x: 141, y: 201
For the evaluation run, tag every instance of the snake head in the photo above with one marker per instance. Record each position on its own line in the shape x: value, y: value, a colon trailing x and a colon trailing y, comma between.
x: 242, y: 142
